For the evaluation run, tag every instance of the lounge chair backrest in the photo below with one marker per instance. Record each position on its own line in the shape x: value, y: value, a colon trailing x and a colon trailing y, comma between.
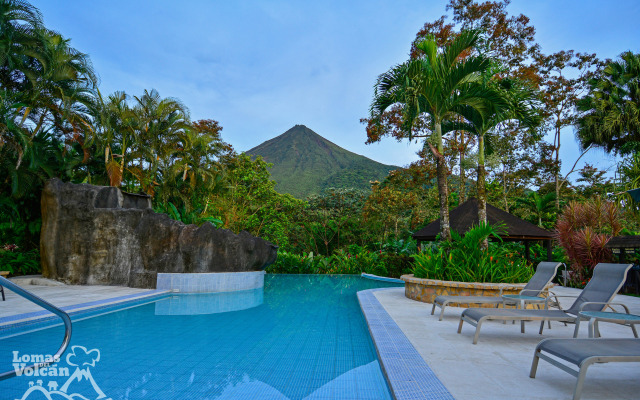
x: 606, y: 281
x: 545, y: 272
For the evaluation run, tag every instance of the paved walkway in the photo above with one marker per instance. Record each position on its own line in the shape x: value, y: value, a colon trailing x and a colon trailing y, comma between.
x: 498, y: 366
x: 59, y: 295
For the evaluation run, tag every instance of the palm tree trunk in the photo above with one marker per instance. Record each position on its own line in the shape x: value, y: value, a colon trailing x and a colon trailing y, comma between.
x: 504, y: 188
x: 557, y: 164
x: 463, y: 178
x: 443, y: 190
x: 482, y: 192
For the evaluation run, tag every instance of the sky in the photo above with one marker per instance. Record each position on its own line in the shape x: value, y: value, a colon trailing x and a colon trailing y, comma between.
x: 261, y: 67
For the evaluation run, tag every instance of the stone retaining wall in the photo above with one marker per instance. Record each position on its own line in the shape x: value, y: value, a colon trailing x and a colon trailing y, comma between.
x: 426, y: 290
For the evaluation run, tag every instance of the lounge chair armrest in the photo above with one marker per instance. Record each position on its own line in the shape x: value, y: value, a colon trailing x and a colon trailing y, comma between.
x: 555, y: 296
x: 534, y: 292
x: 608, y: 304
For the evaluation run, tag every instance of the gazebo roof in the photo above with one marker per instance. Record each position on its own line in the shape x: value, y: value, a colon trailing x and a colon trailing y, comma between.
x: 624, y: 242
x: 462, y: 217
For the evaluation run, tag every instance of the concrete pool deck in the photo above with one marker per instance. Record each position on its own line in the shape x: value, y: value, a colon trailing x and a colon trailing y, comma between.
x: 17, y: 310
x: 496, y: 368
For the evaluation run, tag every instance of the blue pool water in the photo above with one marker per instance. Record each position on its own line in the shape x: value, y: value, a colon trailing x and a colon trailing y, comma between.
x: 303, y: 337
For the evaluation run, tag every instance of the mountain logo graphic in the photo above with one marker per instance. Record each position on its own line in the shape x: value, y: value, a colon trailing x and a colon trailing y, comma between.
x: 83, y: 360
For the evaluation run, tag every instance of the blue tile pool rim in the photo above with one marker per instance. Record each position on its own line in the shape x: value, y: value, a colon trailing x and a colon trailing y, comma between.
x: 408, y: 375
x: 44, y: 318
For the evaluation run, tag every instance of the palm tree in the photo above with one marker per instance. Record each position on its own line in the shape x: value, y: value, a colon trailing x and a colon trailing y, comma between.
x: 161, y: 123
x: 19, y: 22
x: 538, y: 205
x: 434, y: 86
x: 611, y: 109
x: 113, y: 133
x: 511, y: 101
x: 46, y: 86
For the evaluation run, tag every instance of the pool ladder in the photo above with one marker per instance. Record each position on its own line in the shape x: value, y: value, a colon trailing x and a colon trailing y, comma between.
x: 48, y: 306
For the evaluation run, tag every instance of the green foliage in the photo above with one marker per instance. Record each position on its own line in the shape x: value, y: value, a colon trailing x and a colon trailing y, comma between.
x: 250, y: 202
x: 19, y: 262
x: 540, y: 207
x: 611, y: 110
x: 462, y: 259
x: 342, y: 262
x: 331, y: 221
x: 400, y: 246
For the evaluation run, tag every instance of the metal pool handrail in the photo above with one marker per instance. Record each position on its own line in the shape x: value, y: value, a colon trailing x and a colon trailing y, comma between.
x: 48, y: 306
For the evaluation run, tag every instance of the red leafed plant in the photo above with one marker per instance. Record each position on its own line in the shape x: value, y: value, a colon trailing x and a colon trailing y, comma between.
x: 583, y: 230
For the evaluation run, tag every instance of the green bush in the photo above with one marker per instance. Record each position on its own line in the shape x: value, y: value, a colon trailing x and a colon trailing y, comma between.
x: 342, y: 262
x: 289, y: 263
x: 19, y: 262
x: 463, y: 260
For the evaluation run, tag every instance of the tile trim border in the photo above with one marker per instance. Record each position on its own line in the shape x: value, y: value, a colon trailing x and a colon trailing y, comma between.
x: 407, y: 374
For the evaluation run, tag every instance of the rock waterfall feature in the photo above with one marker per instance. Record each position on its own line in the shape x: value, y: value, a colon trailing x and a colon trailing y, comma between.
x: 99, y: 235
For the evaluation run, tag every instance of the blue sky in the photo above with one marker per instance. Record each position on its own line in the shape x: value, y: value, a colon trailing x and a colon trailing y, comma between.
x: 260, y: 67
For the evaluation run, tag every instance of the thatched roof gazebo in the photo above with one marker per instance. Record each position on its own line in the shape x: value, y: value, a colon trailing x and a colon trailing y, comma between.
x: 465, y: 215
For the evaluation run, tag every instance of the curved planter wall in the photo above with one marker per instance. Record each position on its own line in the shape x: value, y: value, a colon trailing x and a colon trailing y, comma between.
x: 426, y: 290
x: 210, y: 282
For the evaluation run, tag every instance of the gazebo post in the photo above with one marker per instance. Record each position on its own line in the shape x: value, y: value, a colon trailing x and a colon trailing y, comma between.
x: 549, y: 250
x: 623, y: 255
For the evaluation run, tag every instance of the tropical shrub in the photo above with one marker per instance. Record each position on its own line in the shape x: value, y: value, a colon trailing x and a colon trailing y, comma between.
x: 583, y: 231
x: 400, y: 246
x: 462, y: 259
x: 19, y: 262
x: 342, y: 262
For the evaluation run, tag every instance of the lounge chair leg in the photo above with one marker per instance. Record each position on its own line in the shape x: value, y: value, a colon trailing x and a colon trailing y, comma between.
x: 575, y: 331
x: 460, y: 325
x: 581, y: 375
x: 475, y: 337
x: 541, y: 327
x: 534, y: 364
x: 522, y: 326
x: 635, y: 333
x: 433, y: 308
x: 442, y: 311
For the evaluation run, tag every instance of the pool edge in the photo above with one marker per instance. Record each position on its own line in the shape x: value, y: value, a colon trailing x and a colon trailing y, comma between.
x: 19, y: 321
x: 408, y: 375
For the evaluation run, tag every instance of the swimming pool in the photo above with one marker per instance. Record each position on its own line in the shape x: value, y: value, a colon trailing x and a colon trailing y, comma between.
x: 304, y: 337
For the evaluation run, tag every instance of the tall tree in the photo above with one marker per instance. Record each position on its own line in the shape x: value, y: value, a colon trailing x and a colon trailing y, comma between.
x: 564, y: 77
x: 434, y: 86
x: 537, y: 204
x: 160, y: 124
x: 610, y: 116
x: 512, y: 101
